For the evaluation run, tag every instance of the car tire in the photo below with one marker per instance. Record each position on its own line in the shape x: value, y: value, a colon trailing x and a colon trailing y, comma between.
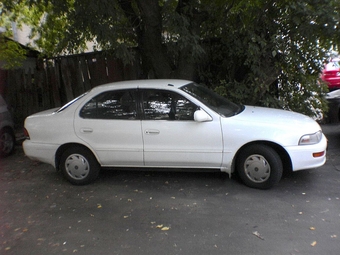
x: 7, y: 142
x: 79, y: 166
x: 259, y: 166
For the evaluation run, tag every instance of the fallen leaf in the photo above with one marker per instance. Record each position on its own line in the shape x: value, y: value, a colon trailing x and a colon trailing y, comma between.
x: 165, y: 228
x: 159, y: 226
x: 99, y: 206
x: 312, y: 228
x: 126, y: 217
x: 256, y: 233
x: 313, y: 243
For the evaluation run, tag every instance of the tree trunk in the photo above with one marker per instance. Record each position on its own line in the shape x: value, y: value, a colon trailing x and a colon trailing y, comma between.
x: 151, y: 48
x: 147, y: 23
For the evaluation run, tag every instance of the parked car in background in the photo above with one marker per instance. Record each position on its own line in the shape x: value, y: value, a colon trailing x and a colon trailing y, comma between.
x: 7, y: 137
x: 331, y: 74
x: 172, y: 124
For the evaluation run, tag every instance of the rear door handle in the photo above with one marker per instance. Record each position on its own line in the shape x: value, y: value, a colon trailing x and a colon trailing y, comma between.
x: 86, y: 130
x: 152, y: 132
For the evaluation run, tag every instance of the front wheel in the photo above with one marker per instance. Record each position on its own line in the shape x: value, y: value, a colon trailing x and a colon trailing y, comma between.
x: 79, y: 166
x: 259, y: 166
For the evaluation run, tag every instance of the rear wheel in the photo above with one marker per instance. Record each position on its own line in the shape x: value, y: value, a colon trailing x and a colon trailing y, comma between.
x: 7, y: 142
x: 259, y: 166
x: 79, y: 166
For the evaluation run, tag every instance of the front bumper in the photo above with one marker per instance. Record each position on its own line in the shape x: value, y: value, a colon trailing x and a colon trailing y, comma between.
x: 304, y: 156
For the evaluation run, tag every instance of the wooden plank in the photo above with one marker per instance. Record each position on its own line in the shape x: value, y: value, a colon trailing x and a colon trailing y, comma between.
x: 97, y: 68
x: 3, y: 82
x: 38, y: 88
x: 66, y: 78
x: 20, y: 96
x: 115, y: 69
x: 42, y: 83
x: 84, y: 73
x: 30, y: 106
x: 53, y: 85
x: 77, y: 80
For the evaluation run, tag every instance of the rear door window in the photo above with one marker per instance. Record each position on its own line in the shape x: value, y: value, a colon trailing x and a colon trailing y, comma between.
x: 116, y: 104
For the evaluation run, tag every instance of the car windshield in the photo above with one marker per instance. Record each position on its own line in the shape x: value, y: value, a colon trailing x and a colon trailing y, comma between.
x: 70, y: 103
x: 221, y: 105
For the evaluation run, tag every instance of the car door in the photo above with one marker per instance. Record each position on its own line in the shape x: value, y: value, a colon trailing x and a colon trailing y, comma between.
x: 110, y: 125
x: 171, y: 136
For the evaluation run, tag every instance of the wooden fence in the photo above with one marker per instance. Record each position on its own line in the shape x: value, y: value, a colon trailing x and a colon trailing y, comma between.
x: 56, y: 81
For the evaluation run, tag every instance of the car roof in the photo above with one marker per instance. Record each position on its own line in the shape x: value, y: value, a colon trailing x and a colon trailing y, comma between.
x: 152, y: 83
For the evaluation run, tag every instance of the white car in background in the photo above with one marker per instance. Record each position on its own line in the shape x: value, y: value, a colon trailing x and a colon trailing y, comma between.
x: 172, y: 124
x: 7, y: 136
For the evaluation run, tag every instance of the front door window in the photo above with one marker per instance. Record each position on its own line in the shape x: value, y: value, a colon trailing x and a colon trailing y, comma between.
x: 167, y: 105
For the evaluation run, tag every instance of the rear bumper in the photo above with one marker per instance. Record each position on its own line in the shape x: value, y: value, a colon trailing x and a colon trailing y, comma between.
x: 333, y: 83
x: 40, y: 151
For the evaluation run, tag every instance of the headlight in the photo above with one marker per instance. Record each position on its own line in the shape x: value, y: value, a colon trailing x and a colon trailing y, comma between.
x: 311, y: 138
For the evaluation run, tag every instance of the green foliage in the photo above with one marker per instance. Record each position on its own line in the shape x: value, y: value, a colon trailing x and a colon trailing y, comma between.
x: 270, y: 53
x: 11, y: 54
x: 259, y: 52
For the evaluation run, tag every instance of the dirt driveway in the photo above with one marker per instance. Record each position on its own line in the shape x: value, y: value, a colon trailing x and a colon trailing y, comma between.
x: 133, y: 212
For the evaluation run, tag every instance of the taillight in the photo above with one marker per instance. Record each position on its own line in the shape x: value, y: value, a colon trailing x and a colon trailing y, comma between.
x: 26, y: 134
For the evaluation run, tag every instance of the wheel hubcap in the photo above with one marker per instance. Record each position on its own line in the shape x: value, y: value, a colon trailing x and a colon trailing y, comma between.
x: 6, y: 143
x: 257, y: 168
x: 77, y: 166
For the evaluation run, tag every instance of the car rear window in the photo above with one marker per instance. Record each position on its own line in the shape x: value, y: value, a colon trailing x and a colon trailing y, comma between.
x: 70, y: 103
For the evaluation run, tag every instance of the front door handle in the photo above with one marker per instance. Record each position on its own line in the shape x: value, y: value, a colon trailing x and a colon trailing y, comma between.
x: 152, y: 132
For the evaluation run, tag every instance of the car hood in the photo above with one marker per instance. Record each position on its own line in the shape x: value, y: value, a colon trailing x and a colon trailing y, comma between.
x: 277, y: 117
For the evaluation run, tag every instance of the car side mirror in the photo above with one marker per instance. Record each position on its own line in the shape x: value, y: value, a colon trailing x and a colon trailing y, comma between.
x: 202, y: 116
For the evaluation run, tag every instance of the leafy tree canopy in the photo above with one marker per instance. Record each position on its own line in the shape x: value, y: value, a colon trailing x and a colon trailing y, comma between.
x: 256, y: 52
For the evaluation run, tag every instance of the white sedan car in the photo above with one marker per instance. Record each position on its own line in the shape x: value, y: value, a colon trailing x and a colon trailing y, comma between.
x: 172, y: 124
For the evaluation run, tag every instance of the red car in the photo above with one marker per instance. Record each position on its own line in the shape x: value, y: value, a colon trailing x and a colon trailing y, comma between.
x: 331, y: 74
